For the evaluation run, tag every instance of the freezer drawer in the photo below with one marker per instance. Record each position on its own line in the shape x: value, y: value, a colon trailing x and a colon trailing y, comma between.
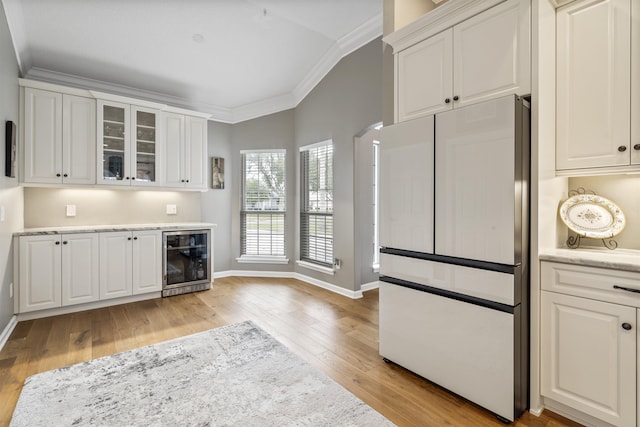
x: 465, y: 348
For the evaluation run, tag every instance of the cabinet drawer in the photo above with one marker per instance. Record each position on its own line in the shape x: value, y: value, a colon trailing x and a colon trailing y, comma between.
x: 620, y: 287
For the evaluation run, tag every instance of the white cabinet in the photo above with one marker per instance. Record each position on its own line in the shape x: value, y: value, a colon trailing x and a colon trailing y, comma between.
x: 185, y: 151
x: 59, y: 138
x: 57, y: 270
x: 406, y: 185
x: 130, y: 263
x: 483, y: 57
x: 129, y: 150
x: 594, y: 86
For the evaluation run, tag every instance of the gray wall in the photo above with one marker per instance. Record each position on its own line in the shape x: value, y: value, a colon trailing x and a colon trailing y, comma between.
x: 11, y: 195
x: 347, y: 100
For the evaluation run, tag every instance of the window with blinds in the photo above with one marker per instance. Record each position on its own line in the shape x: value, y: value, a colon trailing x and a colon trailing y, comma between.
x: 316, y: 207
x: 263, y: 205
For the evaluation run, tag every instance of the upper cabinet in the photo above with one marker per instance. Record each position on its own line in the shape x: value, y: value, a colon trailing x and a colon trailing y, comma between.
x: 594, y: 84
x: 484, y: 56
x: 59, y: 138
x: 185, y: 151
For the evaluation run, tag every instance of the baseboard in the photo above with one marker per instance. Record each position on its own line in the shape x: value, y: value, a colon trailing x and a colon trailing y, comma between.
x: 6, y: 333
x: 329, y: 286
x: 370, y: 286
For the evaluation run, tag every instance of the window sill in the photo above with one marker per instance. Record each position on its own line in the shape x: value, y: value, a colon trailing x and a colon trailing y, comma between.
x: 262, y: 260
x: 316, y: 267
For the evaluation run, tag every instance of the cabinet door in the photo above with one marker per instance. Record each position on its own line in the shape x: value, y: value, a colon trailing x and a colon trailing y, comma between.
x: 406, y: 185
x: 40, y: 277
x: 113, y: 143
x: 195, y: 172
x: 424, y: 77
x: 173, y: 134
x: 115, y: 264
x: 78, y: 140
x: 145, y: 147
x: 635, y: 84
x: 147, y: 261
x: 593, y: 84
x: 42, y: 136
x: 492, y: 54
x: 80, y: 268
x: 588, y: 357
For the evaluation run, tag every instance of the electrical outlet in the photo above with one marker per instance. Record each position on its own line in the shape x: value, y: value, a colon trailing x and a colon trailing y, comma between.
x: 71, y: 210
x: 337, y: 263
x: 172, y: 210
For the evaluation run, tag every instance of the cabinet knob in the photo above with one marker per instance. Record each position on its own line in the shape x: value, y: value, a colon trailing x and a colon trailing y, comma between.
x: 455, y: 98
x: 187, y: 180
x: 636, y: 147
x: 128, y: 238
x: 65, y: 175
x: 57, y: 243
x: 447, y: 100
x: 622, y: 148
x: 182, y: 180
x: 133, y: 177
x: 58, y: 175
x: 65, y: 242
x: 135, y: 238
x: 626, y: 326
x: 126, y: 177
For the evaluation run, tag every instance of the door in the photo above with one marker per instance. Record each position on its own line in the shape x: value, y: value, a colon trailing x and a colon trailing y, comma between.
x: 195, y: 173
x: 174, y: 133
x: 424, y: 77
x: 147, y: 261
x: 40, y: 276
x: 145, y: 152
x: 42, y: 136
x: 78, y: 140
x: 588, y: 359
x: 475, y: 167
x: 593, y: 84
x: 406, y: 185
x: 492, y: 54
x: 113, y: 143
x: 80, y: 268
x: 115, y: 264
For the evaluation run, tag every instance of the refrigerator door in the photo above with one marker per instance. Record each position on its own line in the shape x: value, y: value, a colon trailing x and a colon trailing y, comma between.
x: 477, y: 195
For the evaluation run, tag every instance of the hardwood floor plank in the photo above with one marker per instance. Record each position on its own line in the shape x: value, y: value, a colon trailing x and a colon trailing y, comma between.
x: 335, y: 334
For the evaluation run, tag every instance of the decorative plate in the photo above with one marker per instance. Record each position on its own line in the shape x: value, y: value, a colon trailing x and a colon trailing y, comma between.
x: 592, y: 216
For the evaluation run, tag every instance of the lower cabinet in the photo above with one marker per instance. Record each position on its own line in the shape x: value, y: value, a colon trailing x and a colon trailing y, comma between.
x: 588, y: 346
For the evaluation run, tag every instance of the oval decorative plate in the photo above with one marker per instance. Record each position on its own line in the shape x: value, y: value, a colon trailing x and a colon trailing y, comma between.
x: 592, y: 216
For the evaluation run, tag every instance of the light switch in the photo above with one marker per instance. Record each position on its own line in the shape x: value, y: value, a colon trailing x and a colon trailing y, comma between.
x: 172, y: 210
x: 71, y: 210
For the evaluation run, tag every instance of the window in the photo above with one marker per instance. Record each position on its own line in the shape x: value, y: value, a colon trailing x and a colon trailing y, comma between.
x: 316, y: 207
x: 263, y: 204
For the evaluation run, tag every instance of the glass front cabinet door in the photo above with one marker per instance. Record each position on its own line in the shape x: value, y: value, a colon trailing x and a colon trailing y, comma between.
x: 127, y: 144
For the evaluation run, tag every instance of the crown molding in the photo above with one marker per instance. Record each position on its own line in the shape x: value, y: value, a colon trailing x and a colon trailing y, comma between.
x: 15, y: 21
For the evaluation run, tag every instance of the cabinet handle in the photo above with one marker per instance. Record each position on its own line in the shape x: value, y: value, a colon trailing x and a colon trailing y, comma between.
x: 622, y: 148
x: 622, y: 288
x: 57, y: 243
x: 455, y: 98
x: 636, y: 147
x: 57, y: 174
x: 447, y: 100
x: 626, y: 326
x: 65, y: 242
x: 128, y: 238
x: 135, y: 238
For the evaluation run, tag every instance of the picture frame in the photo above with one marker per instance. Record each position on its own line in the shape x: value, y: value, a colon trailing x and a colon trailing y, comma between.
x: 217, y: 173
x: 10, y: 149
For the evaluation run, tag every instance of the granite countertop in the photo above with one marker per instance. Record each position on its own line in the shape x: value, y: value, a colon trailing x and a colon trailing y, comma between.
x: 619, y: 259
x: 120, y: 227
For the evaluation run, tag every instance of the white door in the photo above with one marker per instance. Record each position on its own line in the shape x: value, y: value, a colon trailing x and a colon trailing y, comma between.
x: 145, y: 146
x: 115, y: 264
x: 80, y: 268
x: 40, y: 276
x: 196, y: 153
x: 114, y: 136
x: 588, y: 359
x: 424, y: 77
x: 173, y: 134
x: 593, y: 84
x: 78, y: 140
x: 475, y: 181
x: 147, y: 261
x: 492, y: 54
x: 406, y: 185
x: 42, y: 136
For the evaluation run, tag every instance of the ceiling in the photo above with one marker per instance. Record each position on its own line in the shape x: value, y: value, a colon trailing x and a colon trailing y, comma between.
x: 233, y: 59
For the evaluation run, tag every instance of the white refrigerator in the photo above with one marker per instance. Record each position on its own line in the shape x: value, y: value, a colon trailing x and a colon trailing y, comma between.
x: 454, y: 227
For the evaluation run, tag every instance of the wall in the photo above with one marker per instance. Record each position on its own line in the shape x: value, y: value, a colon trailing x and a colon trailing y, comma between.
x: 11, y: 194
x: 346, y: 101
x: 216, y: 204
x: 46, y: 207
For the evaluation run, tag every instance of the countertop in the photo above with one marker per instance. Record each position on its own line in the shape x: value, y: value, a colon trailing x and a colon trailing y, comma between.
x: 122, y: 227
x: 619, y: 259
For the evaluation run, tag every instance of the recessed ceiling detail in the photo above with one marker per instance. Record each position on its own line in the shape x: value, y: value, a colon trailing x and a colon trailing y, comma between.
x: 234, y: 59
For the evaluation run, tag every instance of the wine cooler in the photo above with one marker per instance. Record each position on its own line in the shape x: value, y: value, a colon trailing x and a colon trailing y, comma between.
x: 186, y: 261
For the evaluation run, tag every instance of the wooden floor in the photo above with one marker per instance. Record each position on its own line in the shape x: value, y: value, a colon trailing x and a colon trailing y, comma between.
x: 333, y: 333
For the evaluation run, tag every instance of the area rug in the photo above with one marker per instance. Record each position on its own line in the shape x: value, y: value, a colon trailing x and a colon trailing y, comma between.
x: 236, y: 375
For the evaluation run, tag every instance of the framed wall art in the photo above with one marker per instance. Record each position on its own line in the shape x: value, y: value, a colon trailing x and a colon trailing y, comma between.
x: 217, y: 173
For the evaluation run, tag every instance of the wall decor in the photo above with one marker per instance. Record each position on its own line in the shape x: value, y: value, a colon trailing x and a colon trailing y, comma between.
x: 217, y: 173
x: 10, y: 149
